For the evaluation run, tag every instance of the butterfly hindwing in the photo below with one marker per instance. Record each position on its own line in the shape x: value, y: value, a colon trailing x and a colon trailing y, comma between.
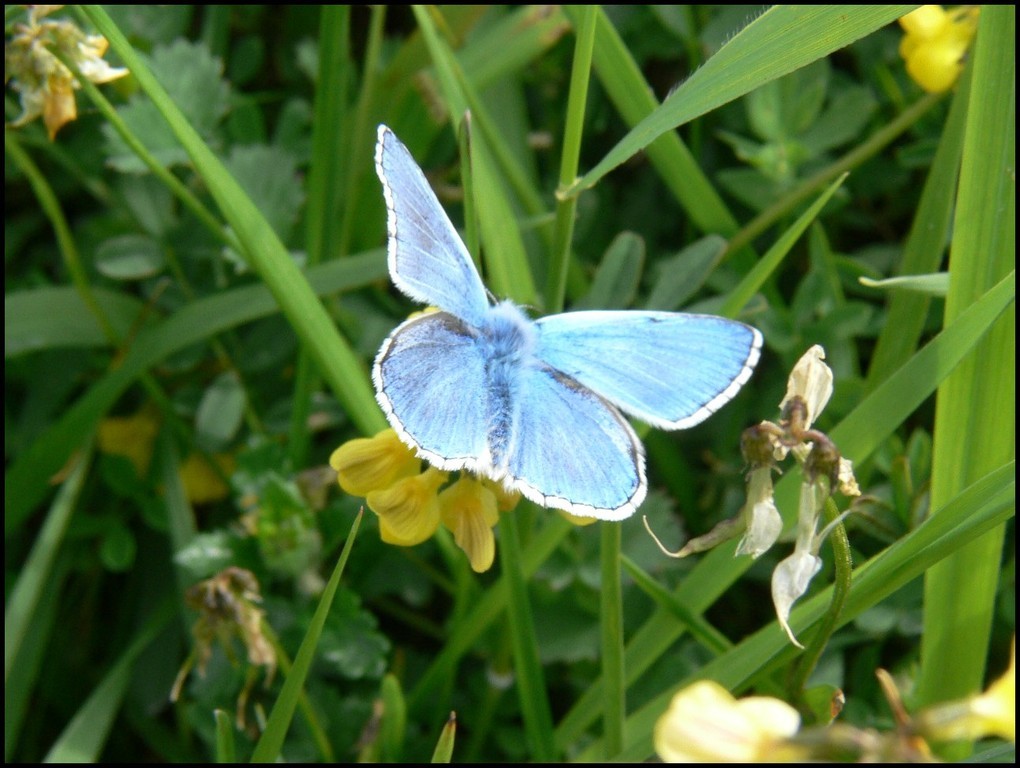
x: 574, y: 451
x: 427, y: 258
x: 669, y: 369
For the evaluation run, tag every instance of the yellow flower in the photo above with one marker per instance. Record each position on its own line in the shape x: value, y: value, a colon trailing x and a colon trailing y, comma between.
x: 408, y: 510
x: 936, y: 44
x: 203, y: 484
x: 375, y: 463
x: 468, y: 509
x: 993, y: 713
x: 704, y: 723
x: 47, y: 86
x: 506, y: 500
x: 131, y: 437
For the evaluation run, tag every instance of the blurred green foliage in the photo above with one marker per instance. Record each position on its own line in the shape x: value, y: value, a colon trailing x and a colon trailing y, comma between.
x: 229, y: 376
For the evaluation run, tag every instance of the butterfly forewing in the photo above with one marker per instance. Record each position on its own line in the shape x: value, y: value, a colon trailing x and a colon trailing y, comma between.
x: 669, y: 369
x: 427, y: 258
x: 430, y: 380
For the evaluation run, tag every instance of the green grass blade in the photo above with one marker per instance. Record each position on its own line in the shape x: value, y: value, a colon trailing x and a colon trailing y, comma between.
x: 327, y: 178
x: 486, y: 611
x: 700, y: 629
x: 271, y: 742
x: 925, y: 244
x: 976, y: 407
x: 19, y: 686
x: 506, y: 261
x: 611, y: 620
x: 755, y: 279
x: 566, y: 210
x: 443, y: 752
x: 528, y: 673
x: 36, y: 574
x: 83, y: 739
x: 782, y: 39
x: 225, y: 749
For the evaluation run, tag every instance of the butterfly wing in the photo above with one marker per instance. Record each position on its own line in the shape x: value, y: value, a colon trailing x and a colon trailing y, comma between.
x: 572, y: 450
x: 669, y: 369
x: 427, y: 259
x: 430, y: 379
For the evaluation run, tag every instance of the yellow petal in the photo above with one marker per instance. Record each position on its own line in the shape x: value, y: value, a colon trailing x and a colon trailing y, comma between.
x: 469, y: 510
x: 59, y: 107
x: 506, y: 500
x: 993, y: 713
x: 704, y: 723
x: 935, y: 67
x: 203, y: 484
x: 130, y: 437
x: 368, y: 464
x: 409, y: 509
x: 577, y: 520
x: 925, y: 22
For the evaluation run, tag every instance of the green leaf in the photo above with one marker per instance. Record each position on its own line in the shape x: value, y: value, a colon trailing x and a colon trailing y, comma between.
x: 680, y: 277
x: 927, y: 285
x: 845, y: 119
x: 784, y: 108
x: 618, y: 276
x: 269, y: 176
x: 220, y: 412
x: 52, y: 317
x: 129, y: 257
x: 151, y: 203
x: 118, y: 548
x: 351, y: 645
x: 193, y: 78
x: 392, y: 730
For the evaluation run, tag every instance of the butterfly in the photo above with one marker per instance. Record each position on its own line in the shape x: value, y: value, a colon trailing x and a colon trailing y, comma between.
x: 536, y: 405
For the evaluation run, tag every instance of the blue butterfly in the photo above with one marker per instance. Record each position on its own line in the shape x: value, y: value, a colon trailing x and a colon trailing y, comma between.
x: 535, y: 405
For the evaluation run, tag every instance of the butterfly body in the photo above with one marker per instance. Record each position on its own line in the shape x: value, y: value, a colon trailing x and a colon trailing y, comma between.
x: 535, y: 405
